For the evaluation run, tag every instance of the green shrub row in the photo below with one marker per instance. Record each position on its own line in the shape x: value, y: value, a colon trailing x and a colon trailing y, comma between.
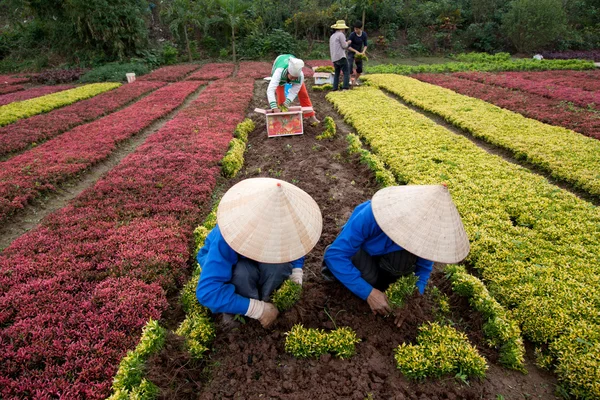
x: 501, y: 331
x: 565, y: 154
x: 304, y: 342
x: 382, y: 175
x: 234, y: 158
x: 482, y: 57
x: 536, y: 246
x: 330, y: 129
x: 17, y: 110
x: 440, y: 350
x: 495, y: 65
x: 114, y: 72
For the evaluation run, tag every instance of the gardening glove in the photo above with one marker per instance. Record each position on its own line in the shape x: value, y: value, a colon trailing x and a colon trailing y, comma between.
x: 296, y: 276
x: 265, y: 313
x: 378, y: 302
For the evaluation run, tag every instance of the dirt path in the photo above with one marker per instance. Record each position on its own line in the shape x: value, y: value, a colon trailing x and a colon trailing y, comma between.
x: 32, y: 215
x: 250, y: 362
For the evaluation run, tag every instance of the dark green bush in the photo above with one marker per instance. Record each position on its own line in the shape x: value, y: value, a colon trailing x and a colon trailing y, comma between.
x: 113, y: 72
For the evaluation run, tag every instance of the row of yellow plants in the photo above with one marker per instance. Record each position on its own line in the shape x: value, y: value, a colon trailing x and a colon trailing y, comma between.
x: 565, y: 154
x: 24, y: 109
x: 234, y: 158
x: 304, y: 342
x: 537, y: 246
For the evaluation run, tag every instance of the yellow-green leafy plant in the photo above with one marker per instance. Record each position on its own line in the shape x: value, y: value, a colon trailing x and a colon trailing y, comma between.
x: 304, y: 342
x: 535, y: 245
x: 361, y: 57
x: 327, y: 86
x: 287, y: 295
x: 327, y: 68
x: 145, y: 391
x: 330, y: 129
x: 234, y: 158
x: 131, y: 370
x: 23, y: 109
x: 399, y: 291
x: 382, y: 175
x: 440, y: 351
x: 500, y: 330
x: 441, y: 300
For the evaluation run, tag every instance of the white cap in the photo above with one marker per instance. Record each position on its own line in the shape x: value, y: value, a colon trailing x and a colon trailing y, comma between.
x: 295, y: 66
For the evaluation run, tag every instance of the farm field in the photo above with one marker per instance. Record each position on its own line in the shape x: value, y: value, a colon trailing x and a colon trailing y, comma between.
x: 78, y: 288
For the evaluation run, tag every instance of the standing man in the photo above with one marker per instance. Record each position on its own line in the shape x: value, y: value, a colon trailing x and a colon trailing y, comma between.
x: 401, y: 231
x: 288, y: 69
x: 337, y: 49
x: 358, y: 45
x: 264, y: 228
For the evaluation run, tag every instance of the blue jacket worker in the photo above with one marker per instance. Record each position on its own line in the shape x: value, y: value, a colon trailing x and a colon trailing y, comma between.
x: 401, y: 231
x: 264, y: 229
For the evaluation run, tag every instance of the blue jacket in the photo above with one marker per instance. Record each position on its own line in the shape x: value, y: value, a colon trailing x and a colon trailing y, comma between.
x: 215, y: 289
x: 362, y: 231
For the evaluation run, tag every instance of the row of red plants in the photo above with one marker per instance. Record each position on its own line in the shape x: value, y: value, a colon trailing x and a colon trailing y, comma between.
x: 78, y: 289
x: 254, y: 69
x: 5, y: 89
x: 171, y: 73
x: 585, y: 80
x: 514, y: 80
x: 26, y: 176
x: 25, y: 132
x: 32, y: 93
x: 12, y: 80
x: 546, y: 110
x: 213, y: 71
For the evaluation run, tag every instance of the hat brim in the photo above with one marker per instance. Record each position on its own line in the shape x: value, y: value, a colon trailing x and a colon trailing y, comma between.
x: 340, y: 27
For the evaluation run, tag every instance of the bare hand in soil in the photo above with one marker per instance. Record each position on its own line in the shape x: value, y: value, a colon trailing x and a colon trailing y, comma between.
x: 378, y: 302
x: 269, y: 315
x: 399, y: 317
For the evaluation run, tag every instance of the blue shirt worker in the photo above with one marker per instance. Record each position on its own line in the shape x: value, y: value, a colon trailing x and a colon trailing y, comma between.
x: 401, y: 231
x: 264, y: 229
x: 358, y: 45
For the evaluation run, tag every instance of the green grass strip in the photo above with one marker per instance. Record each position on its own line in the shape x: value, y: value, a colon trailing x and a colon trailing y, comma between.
x: 537, y: 246
x: 565, y: 154
x: 23, y: 109
x: 493, y: 65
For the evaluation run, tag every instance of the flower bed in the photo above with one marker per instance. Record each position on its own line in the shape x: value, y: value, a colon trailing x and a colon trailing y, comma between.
x: 571, y: 54
x: 585, y: 80
x: 24, y: 109
x: 577, y: 96
x: 10, y: 89
x: 318, y: 63
x: 213, y: 71
x: 32, y: 93
x: 26, y: 176
x: 254, y: 69
x: 565, y: 154
x: 546, y: 110
x: 171, y: 73
x: 12, y: 80
x: 83, y: 284
x: 535, y: 245
x: 23, y: 133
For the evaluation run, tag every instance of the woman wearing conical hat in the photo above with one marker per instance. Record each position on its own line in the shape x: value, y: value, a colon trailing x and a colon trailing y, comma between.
x: 402, y: 230
x: 264, y: 229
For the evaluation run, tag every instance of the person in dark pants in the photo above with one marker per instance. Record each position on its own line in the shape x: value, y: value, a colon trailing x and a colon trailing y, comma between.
x: 358, y: 45
x: 401, y: 231
x: 337, y: 49
x: 264, y: 228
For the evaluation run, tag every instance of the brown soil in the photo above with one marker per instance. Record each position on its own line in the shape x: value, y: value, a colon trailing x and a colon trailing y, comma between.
x: 249, y: 362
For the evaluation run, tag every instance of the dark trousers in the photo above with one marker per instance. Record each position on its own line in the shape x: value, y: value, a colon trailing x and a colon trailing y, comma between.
x: 258, y: 280
x: 341, y: 65
x: 352, y: 60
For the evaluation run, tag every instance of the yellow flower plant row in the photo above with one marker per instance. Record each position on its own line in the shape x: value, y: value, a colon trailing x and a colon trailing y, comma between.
x: 536, y: 246
x: 565, y: 154
x: 24, y: 109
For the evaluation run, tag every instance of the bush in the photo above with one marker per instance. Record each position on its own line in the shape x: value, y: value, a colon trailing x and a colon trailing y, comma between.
x: 401, y: 290
x: 304, y: 342
x: 114, y: 72
x: 169, y: 54
x: 287, y: 295
x: 330, y: 129
x: 54, y: 76
x: 277, y: 42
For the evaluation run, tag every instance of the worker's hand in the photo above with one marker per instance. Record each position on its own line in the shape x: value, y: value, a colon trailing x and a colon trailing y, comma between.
x: 269, y: 315
x: 399, y: 317
x: 296, y: 276
x: 378, y: 302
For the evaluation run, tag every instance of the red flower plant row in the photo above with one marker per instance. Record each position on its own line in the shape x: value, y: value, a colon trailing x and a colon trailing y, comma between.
x: 12, y: 80
x: 585, y: 80
x: 318, y: 63
x: 213, y: 71
x: 254, y: 69
x: 36, y: 129
x: 546, y: 110
x: 26, y: 176
x: 6, y: 89
x: 513, y: 80
x: 32, y: 93
x: 77, y: 290
x: 172, y: 73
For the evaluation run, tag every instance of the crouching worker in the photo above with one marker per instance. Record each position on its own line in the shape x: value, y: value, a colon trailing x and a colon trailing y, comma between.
x: 264, y: 228
x: 401, y: 231
x: 288, y: 69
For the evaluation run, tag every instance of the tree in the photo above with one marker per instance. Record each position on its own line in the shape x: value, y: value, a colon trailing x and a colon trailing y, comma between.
x: 180, y: 14
x: 233, y: 11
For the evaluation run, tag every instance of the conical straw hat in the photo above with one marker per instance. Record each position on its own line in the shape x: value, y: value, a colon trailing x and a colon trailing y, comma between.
x: 269, y: 220
x: 422, y: 220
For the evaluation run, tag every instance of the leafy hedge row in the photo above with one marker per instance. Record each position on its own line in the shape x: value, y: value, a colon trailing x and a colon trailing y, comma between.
x: 32, y: 93
x: 32, y: 131
x: 22, y: 109
x: 537, y: 246
x: 304, y: 342
x: 330, y: 129
x: 382, y: 175
x: 6, y: 89
x: 172, y: 73
x: 565, y: 154
x: 254, y: 69
x: 213, y: 71
x: 28, y: 175
x: 510, y: 65
x: 234, y: 159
